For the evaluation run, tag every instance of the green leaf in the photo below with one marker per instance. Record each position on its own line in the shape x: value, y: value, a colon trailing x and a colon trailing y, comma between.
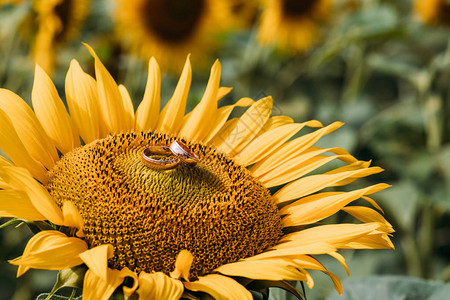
x: 390, y: 287
x: 69, y: 278
x: 402, y: 201
x: 13, y: 221
x: 47, y: 296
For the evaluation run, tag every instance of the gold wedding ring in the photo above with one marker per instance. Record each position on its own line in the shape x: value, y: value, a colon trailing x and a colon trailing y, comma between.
x: 181, y: 151
x: 177, y: 149
x: 159, y: 164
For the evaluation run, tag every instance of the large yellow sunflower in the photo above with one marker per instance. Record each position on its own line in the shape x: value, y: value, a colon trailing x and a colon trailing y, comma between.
x: 208, y: 226
x: 170, y: 29
x: 59, y: 21
x: 433, y: 11
x: 291, y: 24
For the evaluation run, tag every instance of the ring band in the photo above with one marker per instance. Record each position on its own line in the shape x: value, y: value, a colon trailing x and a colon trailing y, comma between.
x: 159, y: 164
x: 181, y: 151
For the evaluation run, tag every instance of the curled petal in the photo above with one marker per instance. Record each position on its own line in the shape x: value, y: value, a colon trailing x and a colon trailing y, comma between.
x: 183, y: 264
x: 94, y: 287
x: 51, y: 250
x: 220, y: 287
x: 97, y: 259
x: 159, y: 286
x: 72, y: 217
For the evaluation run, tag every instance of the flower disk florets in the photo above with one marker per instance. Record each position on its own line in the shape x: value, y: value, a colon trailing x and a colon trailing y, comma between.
x: 216, y: 209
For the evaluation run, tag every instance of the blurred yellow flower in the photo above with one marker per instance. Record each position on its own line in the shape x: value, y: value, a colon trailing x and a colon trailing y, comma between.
x: 244, y: 13
x: 292, y: 24
x: 190, y: 228
x: 59, y: 22
x: 170, y: 29
x: 433, y: 11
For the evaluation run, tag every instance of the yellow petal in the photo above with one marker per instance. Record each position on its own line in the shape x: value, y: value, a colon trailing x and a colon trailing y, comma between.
x: 295, y: 249
x: 16, y: 204
x: 311, y: 209
x: 307, y: 262
x: 94, y: 287
x: 268, y: 269
x: 20, y: 179
x: 28, y: 128
x: 109, y: 97
x: 194, y: 127
x: 128, y: 114
x: 376, y: 240
x: 148, y: 111
x: 301, y: 165
x: 248, y: 127
x: 72, y: 217
x: 224, y: 132
x: 266, y: 143
x: 52, y: 250
x: 219, y: 287
x: 275, y: 122
x: 222, y: 115
x: 81, y: 96
x: 336, y: 235
x: 223, y: 91
x: 159, y: 286
x: 52, y: 113
x: 13, y: 147
x: 183, y: 264
x: 368, y: 215
x: 97, y: 259
x: 340, y: 259
x: 171, y: 117
x: 291, y: 149
x: 4, y: 162
x: 310, y: 184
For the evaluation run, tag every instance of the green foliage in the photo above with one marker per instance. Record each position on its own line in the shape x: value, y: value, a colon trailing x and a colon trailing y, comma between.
x: 391, y: 288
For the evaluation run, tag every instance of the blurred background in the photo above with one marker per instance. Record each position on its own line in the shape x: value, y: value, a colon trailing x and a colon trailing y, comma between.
x: 380, y: 66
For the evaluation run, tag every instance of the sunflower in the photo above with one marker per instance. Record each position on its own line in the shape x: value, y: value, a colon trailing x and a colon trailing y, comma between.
x: 59, y: 22
x: 244, y: 13
x: 433, y: 11
x: 292, y: 25
x: 208, y: 224
x: 170, y: 29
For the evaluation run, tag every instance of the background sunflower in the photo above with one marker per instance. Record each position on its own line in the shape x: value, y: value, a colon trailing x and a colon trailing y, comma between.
x: 59, y: 21
x: 293, y: 25
x: 170, y: 30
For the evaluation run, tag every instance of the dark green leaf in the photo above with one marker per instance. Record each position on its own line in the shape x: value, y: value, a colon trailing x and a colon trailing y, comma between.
x: 69, y: 278
x: 13, y: 221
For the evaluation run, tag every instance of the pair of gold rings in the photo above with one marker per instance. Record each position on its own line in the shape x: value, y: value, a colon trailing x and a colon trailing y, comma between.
x: 177, y: 149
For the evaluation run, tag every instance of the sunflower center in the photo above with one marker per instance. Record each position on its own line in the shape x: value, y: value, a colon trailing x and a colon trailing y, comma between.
x: 173, y: 20
x: 216, y: 209
x: 296, y: 8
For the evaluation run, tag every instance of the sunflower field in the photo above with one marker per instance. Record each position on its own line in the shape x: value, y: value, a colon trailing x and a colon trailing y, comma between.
x: 224, y: 149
